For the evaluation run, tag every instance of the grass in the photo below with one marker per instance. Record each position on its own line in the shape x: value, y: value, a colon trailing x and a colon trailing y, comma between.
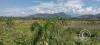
x: 48, y: 32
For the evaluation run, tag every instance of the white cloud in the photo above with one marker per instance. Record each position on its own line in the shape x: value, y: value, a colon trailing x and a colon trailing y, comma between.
x: 71, y: 6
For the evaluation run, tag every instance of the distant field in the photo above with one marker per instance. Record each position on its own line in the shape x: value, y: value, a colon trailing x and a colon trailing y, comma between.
x: 72, y: 24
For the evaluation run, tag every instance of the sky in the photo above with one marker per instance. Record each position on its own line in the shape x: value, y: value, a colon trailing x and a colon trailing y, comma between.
x: 31, y: 7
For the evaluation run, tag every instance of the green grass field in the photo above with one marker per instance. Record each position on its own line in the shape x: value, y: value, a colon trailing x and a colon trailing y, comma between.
x: 49, y: 32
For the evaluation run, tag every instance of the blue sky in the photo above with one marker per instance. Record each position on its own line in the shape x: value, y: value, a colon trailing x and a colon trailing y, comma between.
x: 28, y: 7
x: 16, y: 3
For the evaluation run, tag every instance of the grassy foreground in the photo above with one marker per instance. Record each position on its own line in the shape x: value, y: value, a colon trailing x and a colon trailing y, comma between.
x: 48, y: 32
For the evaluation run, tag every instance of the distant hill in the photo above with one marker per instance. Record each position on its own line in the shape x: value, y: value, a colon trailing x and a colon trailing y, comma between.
x: 88, y: 17
x: 61, y: 15
x: 46, y: 15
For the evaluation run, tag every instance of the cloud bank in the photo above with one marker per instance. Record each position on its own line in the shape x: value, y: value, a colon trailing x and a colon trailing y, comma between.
x: 67, y: 6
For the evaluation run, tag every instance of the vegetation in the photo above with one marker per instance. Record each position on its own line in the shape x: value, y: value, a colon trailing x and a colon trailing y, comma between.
x: 55, y: 31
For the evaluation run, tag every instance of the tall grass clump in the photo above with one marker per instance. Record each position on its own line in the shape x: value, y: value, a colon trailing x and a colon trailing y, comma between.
x: 51, y: 32
x: 6, y: 31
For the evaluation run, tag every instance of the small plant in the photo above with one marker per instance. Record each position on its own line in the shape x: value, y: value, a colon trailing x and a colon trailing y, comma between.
x: 9, y: 24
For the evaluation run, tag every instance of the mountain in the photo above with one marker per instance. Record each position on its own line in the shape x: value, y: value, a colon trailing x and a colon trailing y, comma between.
x: 46, y: 15
x: 61, y: 15
x: 88, y: 17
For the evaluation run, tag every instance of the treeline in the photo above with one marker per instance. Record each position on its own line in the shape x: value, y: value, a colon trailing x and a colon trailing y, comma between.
x: 42, y: 18
x: 32, y: 18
